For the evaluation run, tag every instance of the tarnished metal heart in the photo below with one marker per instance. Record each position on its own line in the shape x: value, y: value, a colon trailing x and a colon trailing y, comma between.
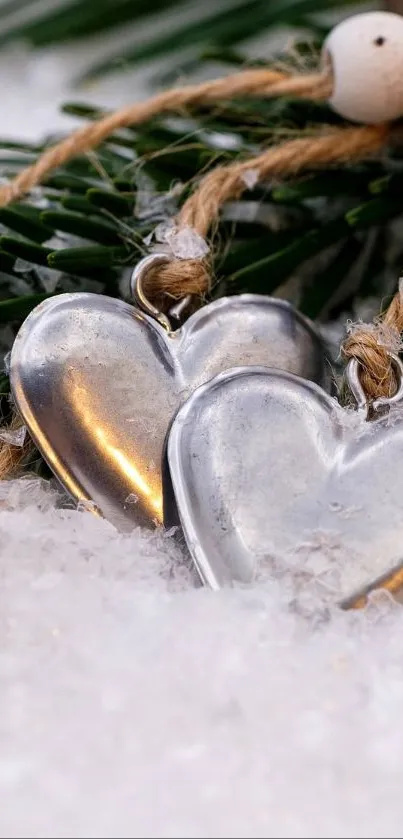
x: 98, y: 382
x: 271, y: 475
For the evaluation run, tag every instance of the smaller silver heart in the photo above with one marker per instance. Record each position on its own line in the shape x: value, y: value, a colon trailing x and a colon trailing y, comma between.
x: 269, y: 473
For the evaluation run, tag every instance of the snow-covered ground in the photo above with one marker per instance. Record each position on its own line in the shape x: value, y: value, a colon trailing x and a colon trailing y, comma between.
x: 133, y: 703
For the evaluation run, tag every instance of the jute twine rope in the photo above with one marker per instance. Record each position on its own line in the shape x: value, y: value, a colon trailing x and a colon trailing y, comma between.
x: 371, y: 345
x: 225, y: 183
x: 247, y: 83
x: 12, y: 458
x: 181, y: 277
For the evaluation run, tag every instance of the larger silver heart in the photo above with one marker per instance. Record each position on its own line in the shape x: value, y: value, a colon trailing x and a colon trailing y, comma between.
x: 269, y: 472
x: 97, y: 383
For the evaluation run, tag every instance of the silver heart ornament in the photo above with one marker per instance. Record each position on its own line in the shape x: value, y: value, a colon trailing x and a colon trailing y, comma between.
x: 271, y: 476
x: 97, y: 382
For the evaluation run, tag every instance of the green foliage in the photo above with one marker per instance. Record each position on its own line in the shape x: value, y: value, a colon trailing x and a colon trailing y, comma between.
x: 194, y: 30
x: 88, y: 225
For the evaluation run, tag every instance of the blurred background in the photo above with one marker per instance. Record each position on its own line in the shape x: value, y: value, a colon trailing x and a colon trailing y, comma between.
x: 109, y: 52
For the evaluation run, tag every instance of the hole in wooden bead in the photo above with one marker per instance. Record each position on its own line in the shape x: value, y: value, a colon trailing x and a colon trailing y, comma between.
x: 379, y: 42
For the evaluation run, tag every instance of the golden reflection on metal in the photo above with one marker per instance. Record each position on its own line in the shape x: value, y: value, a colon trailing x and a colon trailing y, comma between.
x: 135, y: 476
x: 139, y: 485
x: 56, y: 464
x: 392, y: 584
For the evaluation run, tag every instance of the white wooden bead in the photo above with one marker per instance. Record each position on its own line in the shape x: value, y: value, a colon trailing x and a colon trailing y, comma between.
x: 366, y: 54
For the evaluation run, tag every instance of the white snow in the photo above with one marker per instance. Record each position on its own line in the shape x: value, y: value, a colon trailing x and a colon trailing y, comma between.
x: 133, y: 703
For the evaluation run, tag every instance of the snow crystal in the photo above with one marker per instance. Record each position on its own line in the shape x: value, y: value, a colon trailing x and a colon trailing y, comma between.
x: 182, y: 242
x: 250, y: 178
x: 15, y: 437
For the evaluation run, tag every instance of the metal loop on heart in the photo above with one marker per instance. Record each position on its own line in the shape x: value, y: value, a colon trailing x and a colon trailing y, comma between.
x: 362, y: 399
x: 140, y: 297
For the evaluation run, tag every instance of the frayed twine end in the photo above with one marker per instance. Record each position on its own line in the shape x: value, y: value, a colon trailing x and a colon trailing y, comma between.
x: 387, y: 337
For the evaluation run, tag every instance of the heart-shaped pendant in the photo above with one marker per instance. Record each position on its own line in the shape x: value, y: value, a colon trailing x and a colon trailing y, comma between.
x: 98, y: 381
x: 269, y: 472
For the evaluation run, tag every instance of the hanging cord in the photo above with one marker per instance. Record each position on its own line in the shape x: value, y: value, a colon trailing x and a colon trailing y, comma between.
x: 261, y: 82
x: 200, y: 213
x: 370, y: 344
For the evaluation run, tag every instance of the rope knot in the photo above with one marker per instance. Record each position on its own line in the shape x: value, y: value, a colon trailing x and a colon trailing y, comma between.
x: 371, y: 345
x: 176, y: 279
